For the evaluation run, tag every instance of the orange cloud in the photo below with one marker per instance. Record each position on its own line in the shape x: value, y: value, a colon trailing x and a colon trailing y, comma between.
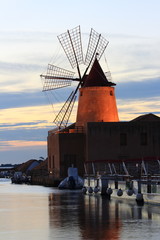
x: 19, y: 144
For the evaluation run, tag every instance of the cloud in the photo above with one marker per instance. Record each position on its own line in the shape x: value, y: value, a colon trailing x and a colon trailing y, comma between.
x: 143, y: 89
x: 21, y: 99
x: 33, y: 117
x: 133, y: 59
x: 125, y: 36
x: 24, y: 134
x: 15, y: 152
x: 16, y: 144
x: 26, y: 36
x: 10, y: 68
x: 22, y: 124
x: 33, y: 98
x: 132, y: 108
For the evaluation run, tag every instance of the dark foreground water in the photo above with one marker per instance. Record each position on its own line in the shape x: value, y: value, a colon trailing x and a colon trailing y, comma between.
x: 40, y: 213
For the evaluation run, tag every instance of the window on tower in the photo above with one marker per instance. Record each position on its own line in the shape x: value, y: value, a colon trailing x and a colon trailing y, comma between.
x: 111, y: 93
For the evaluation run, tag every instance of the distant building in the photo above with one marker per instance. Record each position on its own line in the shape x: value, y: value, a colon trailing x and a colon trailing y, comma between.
x: 28, y: 166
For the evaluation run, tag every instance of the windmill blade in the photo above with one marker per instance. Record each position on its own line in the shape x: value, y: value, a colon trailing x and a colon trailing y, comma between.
x: 96, y: 47
x: 72, y: 45
x: 62, y: 118
x: 56, y: 78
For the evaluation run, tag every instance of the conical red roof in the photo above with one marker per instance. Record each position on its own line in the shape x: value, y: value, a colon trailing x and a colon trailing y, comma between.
x: 96, y: 77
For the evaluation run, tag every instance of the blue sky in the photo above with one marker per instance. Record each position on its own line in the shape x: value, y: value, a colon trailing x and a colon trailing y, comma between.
x: 28, y: 42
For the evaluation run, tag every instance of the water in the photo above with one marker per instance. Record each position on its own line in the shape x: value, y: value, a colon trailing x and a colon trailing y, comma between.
x: 41, y: 213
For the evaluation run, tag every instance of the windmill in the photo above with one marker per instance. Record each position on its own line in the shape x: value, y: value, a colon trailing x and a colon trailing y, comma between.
x: 57, y: 77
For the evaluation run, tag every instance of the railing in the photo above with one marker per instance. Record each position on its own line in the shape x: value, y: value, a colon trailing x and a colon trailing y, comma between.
x: 79, y: 129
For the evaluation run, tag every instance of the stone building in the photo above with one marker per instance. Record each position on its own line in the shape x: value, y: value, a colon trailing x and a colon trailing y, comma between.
x: 98, y: 141
x: 123, y: 142
x: 101, y: 143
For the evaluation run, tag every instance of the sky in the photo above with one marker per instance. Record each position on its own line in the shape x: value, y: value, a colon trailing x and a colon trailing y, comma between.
x: 28, y: 42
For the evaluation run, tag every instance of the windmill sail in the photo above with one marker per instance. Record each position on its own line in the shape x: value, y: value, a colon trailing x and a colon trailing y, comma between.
x: 72, y: 45
x: 96, y: 47
x: 56, y: 78
x: 62, y: 118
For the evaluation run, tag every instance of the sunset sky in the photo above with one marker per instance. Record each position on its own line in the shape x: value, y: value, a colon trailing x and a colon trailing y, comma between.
x: 28, y: 42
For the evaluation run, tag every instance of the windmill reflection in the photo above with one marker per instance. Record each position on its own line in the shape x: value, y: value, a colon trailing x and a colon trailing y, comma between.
x: 92, y: 217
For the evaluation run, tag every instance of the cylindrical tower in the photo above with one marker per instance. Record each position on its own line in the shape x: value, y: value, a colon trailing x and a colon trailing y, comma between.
x: 97, y: 102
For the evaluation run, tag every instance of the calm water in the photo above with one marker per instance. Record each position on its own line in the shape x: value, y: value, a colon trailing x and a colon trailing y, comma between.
x: 40, y: 213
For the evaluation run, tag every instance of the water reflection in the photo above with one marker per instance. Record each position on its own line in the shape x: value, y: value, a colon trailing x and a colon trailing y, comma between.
x: 77, y: 216
x: 38, y: 213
